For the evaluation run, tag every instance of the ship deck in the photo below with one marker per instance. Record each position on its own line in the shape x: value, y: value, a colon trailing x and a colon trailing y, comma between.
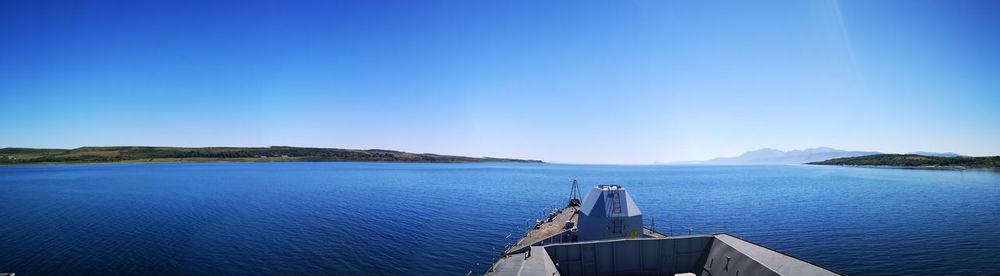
x: 716, y: 254
x: 556, y: 225
x: 547, y: 229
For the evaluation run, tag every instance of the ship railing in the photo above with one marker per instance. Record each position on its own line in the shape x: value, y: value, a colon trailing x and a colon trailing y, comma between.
x: 547, y: 213
x: 670, y: 228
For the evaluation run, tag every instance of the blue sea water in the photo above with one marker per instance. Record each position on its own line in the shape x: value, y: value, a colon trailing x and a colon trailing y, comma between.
x: 448, y: 219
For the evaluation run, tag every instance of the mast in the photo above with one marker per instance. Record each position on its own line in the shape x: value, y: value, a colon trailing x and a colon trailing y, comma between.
x: 574, y: 195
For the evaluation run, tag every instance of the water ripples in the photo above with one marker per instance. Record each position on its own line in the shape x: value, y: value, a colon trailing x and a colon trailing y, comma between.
x: 434, y: 219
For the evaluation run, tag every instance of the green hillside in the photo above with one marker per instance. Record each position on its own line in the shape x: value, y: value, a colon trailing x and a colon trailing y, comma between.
x: 913, y: 160
x: 245, y: 154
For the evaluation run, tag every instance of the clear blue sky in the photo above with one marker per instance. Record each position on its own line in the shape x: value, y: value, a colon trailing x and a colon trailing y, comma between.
x: 573, y: 81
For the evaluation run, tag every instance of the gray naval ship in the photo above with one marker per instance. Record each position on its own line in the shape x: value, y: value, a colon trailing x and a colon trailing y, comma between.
x: 603, y: 234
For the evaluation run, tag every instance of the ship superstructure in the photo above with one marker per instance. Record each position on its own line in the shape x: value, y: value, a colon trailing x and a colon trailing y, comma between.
x: 603, y: 234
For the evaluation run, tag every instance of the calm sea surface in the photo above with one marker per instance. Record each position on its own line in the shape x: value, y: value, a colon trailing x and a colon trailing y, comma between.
x: 446, y: 219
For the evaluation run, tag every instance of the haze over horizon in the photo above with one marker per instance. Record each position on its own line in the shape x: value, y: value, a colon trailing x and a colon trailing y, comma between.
x: 622, y: 82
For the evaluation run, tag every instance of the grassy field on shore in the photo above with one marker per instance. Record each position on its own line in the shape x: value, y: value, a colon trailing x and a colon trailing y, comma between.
x: 12, y: 156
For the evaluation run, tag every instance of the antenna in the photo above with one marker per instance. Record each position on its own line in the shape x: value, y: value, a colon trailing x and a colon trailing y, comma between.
x: 574, y: 195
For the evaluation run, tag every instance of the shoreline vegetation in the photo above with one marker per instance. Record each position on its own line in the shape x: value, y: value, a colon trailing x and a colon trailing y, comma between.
x: 86, y: 155
x: 915, y: 161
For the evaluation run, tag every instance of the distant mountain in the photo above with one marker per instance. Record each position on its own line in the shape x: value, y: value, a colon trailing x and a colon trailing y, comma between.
x: 936, y: 154
x: 773, y: 156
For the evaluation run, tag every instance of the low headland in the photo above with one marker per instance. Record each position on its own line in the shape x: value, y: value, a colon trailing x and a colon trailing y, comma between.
x: 13, y: 156
x: 915, y: 161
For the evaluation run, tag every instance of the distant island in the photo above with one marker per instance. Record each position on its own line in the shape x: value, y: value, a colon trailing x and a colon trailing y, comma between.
x: 774, y: 156
x: 10, y: 156
x: 915, y: 160
x: 832, y: 156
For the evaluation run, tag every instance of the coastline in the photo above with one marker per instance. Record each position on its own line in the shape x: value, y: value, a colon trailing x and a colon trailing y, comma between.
x: 944, y: 168
x: 144, y: 154
x: 915, y: 161
x: 270, y: 160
